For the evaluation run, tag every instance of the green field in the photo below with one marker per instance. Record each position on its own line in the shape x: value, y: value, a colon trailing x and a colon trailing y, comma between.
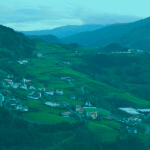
x: 46, y: 118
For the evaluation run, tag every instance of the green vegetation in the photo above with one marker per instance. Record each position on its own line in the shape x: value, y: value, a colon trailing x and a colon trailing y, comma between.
x: 46, y: 118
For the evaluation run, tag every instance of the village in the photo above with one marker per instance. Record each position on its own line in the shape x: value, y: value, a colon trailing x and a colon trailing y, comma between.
x: 75, y: 112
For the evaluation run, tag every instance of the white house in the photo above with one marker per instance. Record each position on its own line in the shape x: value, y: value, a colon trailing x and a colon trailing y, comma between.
x: 49, y: 92
x: 52, y: 104
x: 22, y: 62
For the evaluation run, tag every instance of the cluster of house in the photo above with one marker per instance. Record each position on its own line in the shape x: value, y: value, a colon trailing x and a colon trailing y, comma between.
x: 12, y: 102
x: 83, y: 112
x: 7, y: 83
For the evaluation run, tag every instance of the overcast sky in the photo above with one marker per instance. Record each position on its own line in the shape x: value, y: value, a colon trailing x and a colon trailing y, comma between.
x: 47, y: 14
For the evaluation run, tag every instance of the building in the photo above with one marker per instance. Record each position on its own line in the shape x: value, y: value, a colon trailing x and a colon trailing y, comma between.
x: 77, y: 107
x: 22, y: 108
x: 35, y: 95
x: 49, y: 93
x: 93, y: 114
x: 24, y: 87
x: 22, y: 62
x: 88, y: 104
x: 59, y: 92
x: 66, y: 114
x: 8, y: 81
x: 52, y: 104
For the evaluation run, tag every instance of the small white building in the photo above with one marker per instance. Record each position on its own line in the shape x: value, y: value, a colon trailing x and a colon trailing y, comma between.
x: 52, y: 104
x: 49, y: 92
x: 22, y: 62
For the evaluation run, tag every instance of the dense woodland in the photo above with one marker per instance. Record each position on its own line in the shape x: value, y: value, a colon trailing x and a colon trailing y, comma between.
x: 19, y: 134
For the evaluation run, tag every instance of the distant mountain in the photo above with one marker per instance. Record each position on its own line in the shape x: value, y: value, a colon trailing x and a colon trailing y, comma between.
x: 46, y: 38
x: 13, y: 44
x: 111, y: 34
x: 66, y: 31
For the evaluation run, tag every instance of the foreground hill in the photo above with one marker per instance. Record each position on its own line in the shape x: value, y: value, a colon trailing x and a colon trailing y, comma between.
x: 14, y: 44
x: 107, y: 35
x: 46, y: 38
x: 65, y: 31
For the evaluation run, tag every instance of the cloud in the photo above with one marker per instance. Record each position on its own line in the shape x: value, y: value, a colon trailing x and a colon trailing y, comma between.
x: 37, y: 17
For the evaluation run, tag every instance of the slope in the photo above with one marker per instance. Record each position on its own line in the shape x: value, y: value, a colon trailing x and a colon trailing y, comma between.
x: 14, y: 44
x: 46, y: 38
x: 138, y: 38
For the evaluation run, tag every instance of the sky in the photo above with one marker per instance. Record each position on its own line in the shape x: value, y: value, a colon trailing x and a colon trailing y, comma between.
x: 26, y: 15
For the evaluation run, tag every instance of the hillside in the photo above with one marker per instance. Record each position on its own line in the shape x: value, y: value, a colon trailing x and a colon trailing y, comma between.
x: 107, y: 81
x: 46, y: 38
x: 65, y: 31
x: 14, y: 44
x: 138, y: 38
x: 106, y: 35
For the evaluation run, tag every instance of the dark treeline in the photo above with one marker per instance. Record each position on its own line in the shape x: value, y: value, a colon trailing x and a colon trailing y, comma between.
x: 14, y: 44
x: 18, y: 134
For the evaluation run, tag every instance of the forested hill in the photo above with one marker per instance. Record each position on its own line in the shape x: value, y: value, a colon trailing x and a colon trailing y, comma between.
x: 13, y: 44
x: 66, y: 31
x: 46, y: 38
x: 138, y: 38
x: 107, y: 35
